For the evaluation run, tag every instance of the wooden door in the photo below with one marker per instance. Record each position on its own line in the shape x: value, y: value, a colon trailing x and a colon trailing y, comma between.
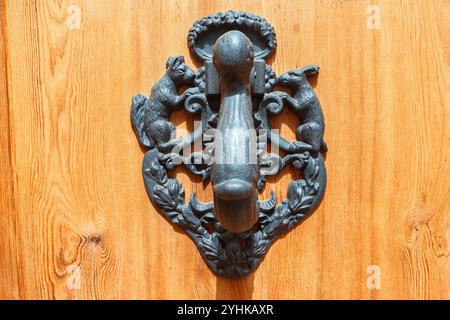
x: 75, y: 221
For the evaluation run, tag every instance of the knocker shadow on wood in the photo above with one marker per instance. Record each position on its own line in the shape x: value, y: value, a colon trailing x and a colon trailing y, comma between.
x: 234, y: 94
x: 235, y: 289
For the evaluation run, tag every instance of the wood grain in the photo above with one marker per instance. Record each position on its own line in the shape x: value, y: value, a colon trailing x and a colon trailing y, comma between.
x: 9, y: 268
x: 75, y: 222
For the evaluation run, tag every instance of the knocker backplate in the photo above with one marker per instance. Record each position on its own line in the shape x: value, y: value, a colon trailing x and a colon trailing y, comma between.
x: 234, y: 92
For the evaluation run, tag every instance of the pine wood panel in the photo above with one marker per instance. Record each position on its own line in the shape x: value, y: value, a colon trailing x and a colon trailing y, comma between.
x: 75, y: 221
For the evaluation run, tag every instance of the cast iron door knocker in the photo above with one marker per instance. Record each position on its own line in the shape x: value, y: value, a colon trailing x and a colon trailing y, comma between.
x: 233, y: 94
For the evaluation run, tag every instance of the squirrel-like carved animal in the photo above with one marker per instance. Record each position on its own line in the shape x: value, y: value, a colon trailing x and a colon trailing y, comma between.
x: 306, y: 105
x: 151, y: 116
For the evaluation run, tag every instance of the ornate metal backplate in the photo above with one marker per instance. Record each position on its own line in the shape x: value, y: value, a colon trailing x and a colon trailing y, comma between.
x: 233, y: 92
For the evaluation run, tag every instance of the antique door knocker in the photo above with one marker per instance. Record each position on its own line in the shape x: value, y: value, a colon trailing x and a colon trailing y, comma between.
x: 233, y: 94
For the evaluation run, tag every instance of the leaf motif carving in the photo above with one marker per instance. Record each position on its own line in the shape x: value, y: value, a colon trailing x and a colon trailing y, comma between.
x: 210, y: 247
x: 295, y: 194
x: 164, y: 199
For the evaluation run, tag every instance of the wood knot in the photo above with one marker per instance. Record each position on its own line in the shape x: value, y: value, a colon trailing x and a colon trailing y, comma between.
x: 96, y: 238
